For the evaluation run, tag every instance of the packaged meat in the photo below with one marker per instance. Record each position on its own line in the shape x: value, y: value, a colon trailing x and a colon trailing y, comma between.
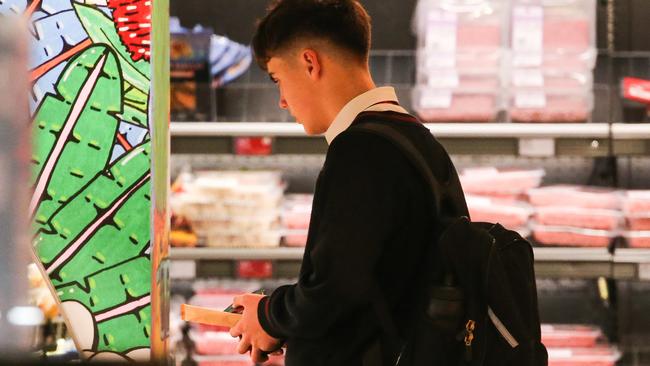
x: 460, y: 26
x: 510, y: 215
x: 497, y: 182
x: 458, y: 79
x: 238, y: 360
x: 638, y: 222
x: 446, y: 105
x: 546, y: 105
x: 296, y: 211
x: 491, y: 60
x: 637, y: 239
x: 594, y: 356
x: 570, y: 335
x: 243, y: 239
x: 575, y: 196
x: 636, y: 201
x: 586, y: 218
x: 214, y: 343
x: 295, y: 238
x: 542, y: 78
x: 572, y: 237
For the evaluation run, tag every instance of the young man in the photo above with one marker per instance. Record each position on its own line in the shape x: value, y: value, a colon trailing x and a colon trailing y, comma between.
x: 372, y: 220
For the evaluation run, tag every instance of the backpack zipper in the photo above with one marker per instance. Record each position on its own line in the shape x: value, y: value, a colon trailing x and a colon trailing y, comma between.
x: 469, y: 338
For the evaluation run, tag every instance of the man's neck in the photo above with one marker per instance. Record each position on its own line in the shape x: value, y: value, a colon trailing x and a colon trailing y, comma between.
x: 344, y: 90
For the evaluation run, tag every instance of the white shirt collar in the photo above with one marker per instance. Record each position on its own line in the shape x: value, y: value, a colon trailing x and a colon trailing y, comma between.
x: 360, y: 103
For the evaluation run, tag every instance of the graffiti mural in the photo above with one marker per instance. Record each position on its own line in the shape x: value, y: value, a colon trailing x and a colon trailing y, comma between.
x: 91, y: 166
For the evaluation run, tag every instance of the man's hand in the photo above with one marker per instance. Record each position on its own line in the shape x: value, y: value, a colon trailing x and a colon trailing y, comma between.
x: 253, y: 338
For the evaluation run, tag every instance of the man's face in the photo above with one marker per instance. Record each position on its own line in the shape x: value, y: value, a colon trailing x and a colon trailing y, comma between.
x: 299, y: 92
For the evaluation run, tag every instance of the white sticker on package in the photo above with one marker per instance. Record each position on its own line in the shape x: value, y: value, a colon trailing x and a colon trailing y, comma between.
x: 530, y: 99
x: 440, y: 41
x: 443, y: 79
x: 435, y: 99
x: 528, y: 78
x: 527, y: 35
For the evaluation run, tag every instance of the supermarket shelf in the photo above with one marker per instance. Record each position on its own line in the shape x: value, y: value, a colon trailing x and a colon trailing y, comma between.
x: 574, y: 139
x: 442, y: 130
x: 631, y: 131
x: 549, y: 262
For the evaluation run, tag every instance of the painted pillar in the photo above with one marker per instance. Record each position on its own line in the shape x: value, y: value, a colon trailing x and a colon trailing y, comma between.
x: 98, y: 210
x: 15, y: 317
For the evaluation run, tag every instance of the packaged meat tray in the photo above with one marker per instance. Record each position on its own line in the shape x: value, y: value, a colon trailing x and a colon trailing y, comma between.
x: 295, y: 238
x: 214, y: 343
x: 458, y: 26
x: 511, y: 215
x: 243, y: 239
x: 636, y: 201
x: 536, y: 78
x: 638, y: 222
x: 586, y: 218
x: 549, y: 106
x: 570, y: 335
x: 446, y: 105
x: 296, y: 211
x: 575, y: 196
x: 596, y: 356
x: 637, y: 239
x: 572, y: 237
x: 458, y: 79
x: 499, y: 182
x: 491, y: 60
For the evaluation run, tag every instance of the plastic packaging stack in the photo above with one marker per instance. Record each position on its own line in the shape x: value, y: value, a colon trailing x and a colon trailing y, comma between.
x: 636, y: 208
x: 296, y: 214
x: 553, y: 55
x: 232, y: 208
x: 498, y: 195
x: 577, y: 345
x: 576, y: 216
x: 459, y: 59
x: 214, y: 345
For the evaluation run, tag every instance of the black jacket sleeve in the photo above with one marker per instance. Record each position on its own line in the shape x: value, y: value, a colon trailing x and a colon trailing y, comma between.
x: 358, y: 192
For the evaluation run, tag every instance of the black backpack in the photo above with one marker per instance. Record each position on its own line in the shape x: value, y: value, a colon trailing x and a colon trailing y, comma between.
x: 483, y: 306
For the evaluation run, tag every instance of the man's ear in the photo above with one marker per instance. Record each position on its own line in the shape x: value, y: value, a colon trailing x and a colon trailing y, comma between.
x: 312, y: 63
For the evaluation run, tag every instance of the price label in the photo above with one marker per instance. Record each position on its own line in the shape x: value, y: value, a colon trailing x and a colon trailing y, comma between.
x: 436, y: 99
x: 530, y: 100
x: 527, y: 35
x: 644, y: 271
x: 254, y: 269
x: 253, y: 145
x: 537, y: 147
x: 528, y: 78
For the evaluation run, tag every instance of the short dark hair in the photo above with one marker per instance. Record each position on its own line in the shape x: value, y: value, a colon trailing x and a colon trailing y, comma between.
x: 345, y: 23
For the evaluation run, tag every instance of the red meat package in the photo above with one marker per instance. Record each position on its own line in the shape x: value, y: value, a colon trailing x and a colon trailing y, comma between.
x: 637, y: 239
x: 572, y: 237
x: 578, y: 217
x: 637, y: 201
x: 509, y: 214
x: 594, y: 356
x: 500, y: 182
x: 575, y: 196
x: 570, y: 335
x: 215, y: 343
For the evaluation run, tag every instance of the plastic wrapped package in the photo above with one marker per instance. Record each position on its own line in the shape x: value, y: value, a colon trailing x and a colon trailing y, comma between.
x: 458, y: 79
x: 636, y: 201
x: 214, y: 343
x: 550, y: 105
x: 575, y: 196
x: 564, y: 27
x: 570, y: 335
x: 447, y: 105
x: 638, y: 222
x: 295, y: 238
x: 637, y: 239
x: 593, y: 356
x: 586, y: 218
x: 572, y: 237
x: 500, y: 182
x: 448, y: 29
x: 238, y: 360
x: 296, y: 211
x: 554, y: 79
x: 243, y: 239
x: 511, y: 215
x: 239, y: 223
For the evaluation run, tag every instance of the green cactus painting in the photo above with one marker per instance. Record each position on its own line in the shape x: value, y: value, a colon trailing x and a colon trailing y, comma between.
x: 91, y: 167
